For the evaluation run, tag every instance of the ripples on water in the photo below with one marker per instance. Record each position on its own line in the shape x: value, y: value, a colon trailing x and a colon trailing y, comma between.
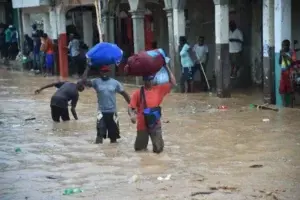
x: 203, y: 147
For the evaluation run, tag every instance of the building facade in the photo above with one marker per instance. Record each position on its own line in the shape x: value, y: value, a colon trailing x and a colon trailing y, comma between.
x: 135, y: 24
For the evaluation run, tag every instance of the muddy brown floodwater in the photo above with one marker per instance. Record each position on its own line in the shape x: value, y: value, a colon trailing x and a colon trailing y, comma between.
x: 208, y: 152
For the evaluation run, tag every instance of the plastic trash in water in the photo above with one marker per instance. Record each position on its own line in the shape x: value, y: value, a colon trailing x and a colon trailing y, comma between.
x: 266, y: 120
x: 223, y: 108
x: 133, y: 179
x: 18, y: 149
x: 168, y: 177
x: 72, y: 191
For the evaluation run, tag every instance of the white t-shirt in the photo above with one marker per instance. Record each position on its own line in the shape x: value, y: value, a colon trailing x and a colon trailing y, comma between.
x: 235, y: 47
x: 201, y: 53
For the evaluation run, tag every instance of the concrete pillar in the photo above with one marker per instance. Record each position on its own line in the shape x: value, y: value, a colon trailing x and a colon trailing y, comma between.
x: 138, y: 33
x: 46, y: 22
x: 111, y: 29
x: 20, y: 28
x: 53, y: 19
x: 172, y: 53
x: 138, y: 30
x: 179, y: 25
x: 179, y: 30
x: 26, y: 23
x: 87, y: 28
x: 222, y: 66
x: 282, y: 31
x: 62, y: 43
x: 53, y: 23
x: 268, y: 50
x: 105, y: 26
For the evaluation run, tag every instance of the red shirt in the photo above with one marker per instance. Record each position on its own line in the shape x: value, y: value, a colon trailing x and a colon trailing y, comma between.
x: 47, y: 46
x: 154, y: 98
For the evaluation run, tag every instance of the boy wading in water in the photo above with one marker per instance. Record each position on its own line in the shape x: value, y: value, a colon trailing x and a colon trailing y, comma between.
x: 285, y: 61
x: 144, y: 108
x: 106, y: 89
x: 59, y: 102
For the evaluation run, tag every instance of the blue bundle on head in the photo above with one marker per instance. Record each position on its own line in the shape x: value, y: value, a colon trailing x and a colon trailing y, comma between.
x: 104, y: 53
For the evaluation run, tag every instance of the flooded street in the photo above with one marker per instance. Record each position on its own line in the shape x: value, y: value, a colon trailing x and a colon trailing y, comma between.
x: 208, y: 152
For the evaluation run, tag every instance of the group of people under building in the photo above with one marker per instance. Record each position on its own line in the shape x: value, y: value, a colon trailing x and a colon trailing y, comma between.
x: 38, y: 53
x: 196, y: 58
x: 9, y: 40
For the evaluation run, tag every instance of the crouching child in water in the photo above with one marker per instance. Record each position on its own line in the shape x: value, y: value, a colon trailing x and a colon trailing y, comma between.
x: 285, y: 61
x: 66, y: 92
x: 144, y: 109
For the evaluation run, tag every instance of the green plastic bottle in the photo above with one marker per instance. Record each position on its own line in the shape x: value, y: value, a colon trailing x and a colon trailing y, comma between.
x: 18, y: 149
x: 72, y: 191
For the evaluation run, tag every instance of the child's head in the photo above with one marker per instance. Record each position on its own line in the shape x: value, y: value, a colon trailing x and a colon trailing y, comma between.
x: 286, y: 45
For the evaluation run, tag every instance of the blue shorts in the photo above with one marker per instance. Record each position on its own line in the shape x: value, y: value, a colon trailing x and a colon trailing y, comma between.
x: 49, y: 61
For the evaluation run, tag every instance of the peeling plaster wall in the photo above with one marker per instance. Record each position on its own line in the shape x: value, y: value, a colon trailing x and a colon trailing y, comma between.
x: 256, y: 43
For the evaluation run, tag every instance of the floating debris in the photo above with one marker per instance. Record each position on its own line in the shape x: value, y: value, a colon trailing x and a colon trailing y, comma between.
x: 72, y: 191
x: 133, y: 179
x: 168, y: 177
x: 30, y: 119
x: 201, y: 193
x: 256, y: 166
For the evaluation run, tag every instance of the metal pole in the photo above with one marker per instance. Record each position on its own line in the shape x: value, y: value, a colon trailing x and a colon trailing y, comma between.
x: 21, y: 31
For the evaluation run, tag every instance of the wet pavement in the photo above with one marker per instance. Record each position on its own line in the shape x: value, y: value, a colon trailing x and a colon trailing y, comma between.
x: 208, y: 152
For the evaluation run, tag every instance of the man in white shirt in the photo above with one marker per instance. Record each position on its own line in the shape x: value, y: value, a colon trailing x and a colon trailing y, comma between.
x: 235, y: 48
x: 74, y: 48
x: 202, y: 56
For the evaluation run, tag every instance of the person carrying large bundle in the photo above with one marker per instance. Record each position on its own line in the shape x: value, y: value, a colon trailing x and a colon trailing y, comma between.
x: 106, y: 89
x: 144, y: 107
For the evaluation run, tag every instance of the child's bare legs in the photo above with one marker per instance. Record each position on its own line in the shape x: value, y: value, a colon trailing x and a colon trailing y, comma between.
x: 186, y: 87
x: 191, y: 84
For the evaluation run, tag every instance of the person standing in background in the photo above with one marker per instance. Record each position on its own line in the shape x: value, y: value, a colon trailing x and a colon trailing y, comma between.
x: 83, y: 50
x: 34, y: 30
x: 235, y: 48
x: 15, y: 43
x: 187, y: 64
x: 27, y: 50
x: 74, y: 48
x: 202, y: 56
x: 36, y: 52
x: 28, y: 45
x: 286, y: 62
x: 2, y: 41
x: 8, y: 34
x: 48, y: 49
